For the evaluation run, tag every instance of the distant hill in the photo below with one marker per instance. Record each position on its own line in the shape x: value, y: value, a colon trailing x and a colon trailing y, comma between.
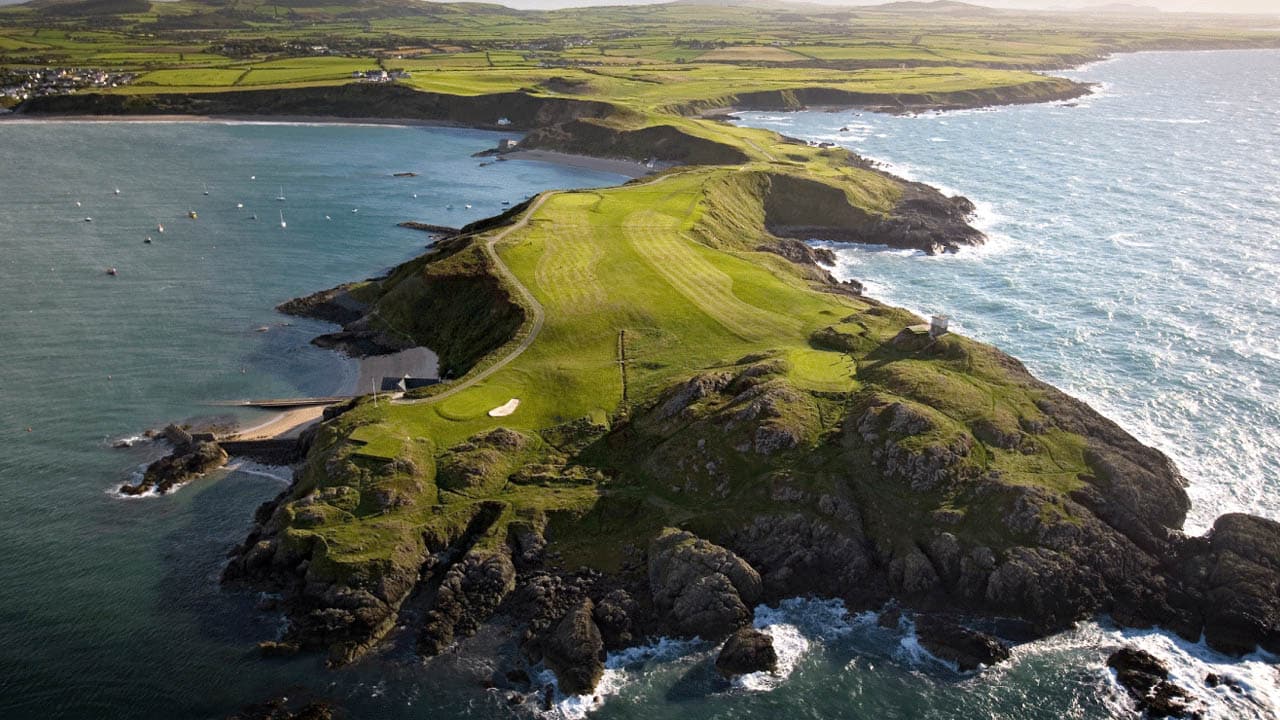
x: 81, y: 8
x: 1123, y: 9
x: 936, y: 7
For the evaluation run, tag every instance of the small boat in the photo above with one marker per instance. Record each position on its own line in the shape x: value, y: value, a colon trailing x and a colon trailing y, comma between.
x: 467, y: 206
x: 192, y: 214
x: 415, y: 196
x: 117, y: 191
x: 280, y: 197
x: 206, y: 188
x: 355, y: 210
x: 147, y: 241
x: 253, y: 177
x: 239, y: 206
x: 88, y: 219
x: 282, y: 222
x: 253, y: 216
x: 326, y: 217
x: 159, y: 227
x: 448, y: 207
x: 506, y: 202
x: 112, y: 272
x: 77, y: 203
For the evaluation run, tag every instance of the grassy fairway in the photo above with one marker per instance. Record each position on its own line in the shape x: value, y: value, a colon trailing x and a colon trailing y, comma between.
x: 628, y: 260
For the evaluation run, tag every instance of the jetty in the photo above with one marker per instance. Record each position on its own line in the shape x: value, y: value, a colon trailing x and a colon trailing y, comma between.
x: 282, y: 403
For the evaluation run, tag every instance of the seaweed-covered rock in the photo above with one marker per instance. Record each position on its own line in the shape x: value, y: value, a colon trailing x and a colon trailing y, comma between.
x: 746, y: 651
x: 701, y: 588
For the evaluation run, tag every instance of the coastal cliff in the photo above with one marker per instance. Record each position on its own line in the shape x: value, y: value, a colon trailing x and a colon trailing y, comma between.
x: 829, y: 451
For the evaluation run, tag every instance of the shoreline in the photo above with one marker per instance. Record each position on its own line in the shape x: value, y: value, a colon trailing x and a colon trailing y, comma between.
x: 617, y: 166
x: 369, y: 371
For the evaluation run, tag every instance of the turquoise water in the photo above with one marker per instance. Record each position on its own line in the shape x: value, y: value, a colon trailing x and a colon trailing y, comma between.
x: 110, y: 607
x: 1133, y: 262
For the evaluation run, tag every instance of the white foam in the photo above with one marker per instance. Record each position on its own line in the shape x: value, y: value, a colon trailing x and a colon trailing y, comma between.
x: 620, y: 670
x: 795, y: 625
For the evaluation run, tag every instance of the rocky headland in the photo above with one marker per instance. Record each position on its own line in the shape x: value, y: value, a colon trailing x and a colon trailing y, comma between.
x: 943, y: 479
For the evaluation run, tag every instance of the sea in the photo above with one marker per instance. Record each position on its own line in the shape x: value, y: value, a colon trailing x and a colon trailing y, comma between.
x: 1133, y: 260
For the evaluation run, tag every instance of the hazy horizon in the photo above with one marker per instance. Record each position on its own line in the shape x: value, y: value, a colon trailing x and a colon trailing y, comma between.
x: 1260, y: 7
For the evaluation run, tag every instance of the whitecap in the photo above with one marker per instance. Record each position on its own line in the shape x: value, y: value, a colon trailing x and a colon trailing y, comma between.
x: 620, y: 669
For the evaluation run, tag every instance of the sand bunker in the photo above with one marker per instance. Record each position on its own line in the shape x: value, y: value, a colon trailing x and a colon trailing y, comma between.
x: 506, y: 408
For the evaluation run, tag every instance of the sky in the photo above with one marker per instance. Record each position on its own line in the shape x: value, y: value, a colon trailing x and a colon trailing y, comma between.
x: 1269, y: 7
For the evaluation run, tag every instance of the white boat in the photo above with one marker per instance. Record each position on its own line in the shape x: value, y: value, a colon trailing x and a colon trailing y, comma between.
x: 326, y: 217
x: 467, y: 206
x: 253, y: 177
x: 77, y: 203
x: 117, y: 192
x: 355, y: 210
x: 159, y: 227
x: 206, y: 188
x: 280, y: 197
x: 239, y: 206
x: 88, y: 219
x: 282, y: 222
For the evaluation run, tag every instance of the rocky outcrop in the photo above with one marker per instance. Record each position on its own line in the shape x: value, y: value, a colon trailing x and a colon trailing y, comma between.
x: 1146, y: 679
x: 746, y: 651
x: 472, y: 589
x: 968, y: 649
x: 665, y: 143
x: 575, y: 650
x: 190, y: 458
x: 923, y: 219
x: 701, y: 588
x: 336, y: 305
x: 1235, y: 573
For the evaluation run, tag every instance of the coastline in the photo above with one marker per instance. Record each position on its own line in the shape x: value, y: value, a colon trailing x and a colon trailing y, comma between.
x: 617, y: 166
x: 291, y: 423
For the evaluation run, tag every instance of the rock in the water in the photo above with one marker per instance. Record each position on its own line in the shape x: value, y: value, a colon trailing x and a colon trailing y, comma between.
x: 1146, y: 679
x: 284, y: 709
x: 1236, y: 569
x: 575, y: 651
x: 702, y: 588
x: 968, y: 649
x: 190, y: 457
x: 746, y: 651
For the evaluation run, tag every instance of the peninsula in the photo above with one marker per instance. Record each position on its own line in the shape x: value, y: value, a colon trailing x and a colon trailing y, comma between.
x: 706, y: 418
